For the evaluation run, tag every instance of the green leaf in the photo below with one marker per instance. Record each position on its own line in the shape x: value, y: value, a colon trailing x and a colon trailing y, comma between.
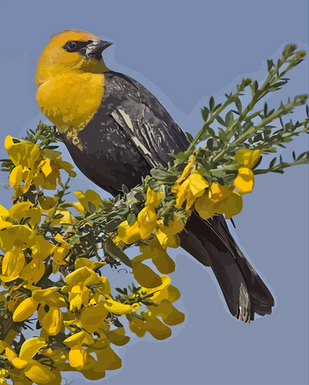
x: 115, y: 252
x: 160, y: 173
x: 221, y: 121
x: 205, y: 113
x: 272, y: 162
x: 112, y: 225
x: 211, y: 103
x: 131, y: 218
x: 213, y: 144
x: 270, y: 64
x: 189, y: 136
x: 125, y: 189
x: 229, y: 119
x: 238, y: 105
x: 92, y: 207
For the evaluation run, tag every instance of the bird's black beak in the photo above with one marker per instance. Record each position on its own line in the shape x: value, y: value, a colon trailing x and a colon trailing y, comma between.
x: 95, y: 48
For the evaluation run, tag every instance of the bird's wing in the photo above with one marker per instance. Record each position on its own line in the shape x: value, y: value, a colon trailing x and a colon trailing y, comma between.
x: 143, y: 119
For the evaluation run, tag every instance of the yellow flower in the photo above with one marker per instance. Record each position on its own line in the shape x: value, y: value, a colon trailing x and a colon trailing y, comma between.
x: 60, y: 253
x: 4, y: 218
x: 119, y: 308
x: 12, y: 241
x: 209, y: 204
x: 190, y: 189
x: 144, y: 275
x: 93, y: 316
x: 107, y: 359
x: 32, y: 369
x: 84, y: 198
x: 163, y: 296
x: 25, y: 309
x: 146, y: 221
x: 153, y: 198
x: 159, y: 256
x: 248, y: 158
x: 244, y: 181
x: 76, y: 282
x: 48, y: 169
x: 78, y: 355
x: 35, y: 269
x: 23, y: 154
x: 26, y: 210
x: 167, y: 235
x: 230, y: 206
x: 50, y: 316
x: 47, y: 203
x: 128, y: 233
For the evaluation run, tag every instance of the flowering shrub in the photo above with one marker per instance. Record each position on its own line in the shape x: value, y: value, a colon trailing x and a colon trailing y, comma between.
x: 56, y: 254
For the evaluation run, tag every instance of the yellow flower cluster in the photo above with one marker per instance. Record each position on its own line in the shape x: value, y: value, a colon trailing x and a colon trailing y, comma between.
x: 83, y: 305
x: 33, y: 165
x: 209, y: 200
x: 163, y: 296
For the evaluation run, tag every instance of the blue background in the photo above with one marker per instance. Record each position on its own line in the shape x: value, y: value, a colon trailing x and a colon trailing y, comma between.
x: 184, y: 52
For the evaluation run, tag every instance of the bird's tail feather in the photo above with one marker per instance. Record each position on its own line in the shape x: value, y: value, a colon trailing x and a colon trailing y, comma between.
x: 211, y: 243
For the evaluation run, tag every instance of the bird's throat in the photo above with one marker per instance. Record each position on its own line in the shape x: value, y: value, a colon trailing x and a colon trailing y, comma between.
x: 70, y: 101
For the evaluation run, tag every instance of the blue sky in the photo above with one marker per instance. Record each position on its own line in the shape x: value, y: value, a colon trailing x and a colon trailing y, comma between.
x: 184, y: 52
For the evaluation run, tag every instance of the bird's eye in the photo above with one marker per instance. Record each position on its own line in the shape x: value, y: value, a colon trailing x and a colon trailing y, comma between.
x: 71, y: 45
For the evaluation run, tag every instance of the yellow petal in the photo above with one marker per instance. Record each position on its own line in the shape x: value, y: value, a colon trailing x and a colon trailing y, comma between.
x: 157, y: 328
x: 153, y: 198
x: 204, y: 207
x: 145, y: 276
x: 30, y: 347
x: 12, y: 264
x: 117, y: 307
x: 81, y: 262
x: 147, y: 220
x: 39, y: 373
x: 4, y: 211
x: 219, y: 192
x: 117, y: 336
x: 197, y: 184
x: 16, y: 176
x: 244, y: 181
x: 19, y: 235
x: 77, y: 356
x: 248, y: 157
x: 93, y: 316
x: 34, y: 271
x: 108, y: 359
x: 25, y: 310
x: 46, y: 167
x: 88, y: 196
x: 129, y: 233
x: 170, y: 315
x: 18, y: 363
x: 5, y: 224
x: 230, y: 206
x: 52, y: 321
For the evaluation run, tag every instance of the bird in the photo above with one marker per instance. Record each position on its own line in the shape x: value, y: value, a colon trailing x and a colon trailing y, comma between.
x: 116, y: 131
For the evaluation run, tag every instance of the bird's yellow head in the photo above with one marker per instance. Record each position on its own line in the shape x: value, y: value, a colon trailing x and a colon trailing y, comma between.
x: 71, y: 50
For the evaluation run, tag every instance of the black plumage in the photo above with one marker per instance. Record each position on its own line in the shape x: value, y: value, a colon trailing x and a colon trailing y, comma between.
x: 129, y: 134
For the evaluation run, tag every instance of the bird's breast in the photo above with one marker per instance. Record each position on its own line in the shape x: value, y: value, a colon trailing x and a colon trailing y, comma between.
x: 70, y: 100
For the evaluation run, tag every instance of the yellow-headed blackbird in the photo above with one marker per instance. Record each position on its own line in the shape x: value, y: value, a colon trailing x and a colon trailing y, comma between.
x: 116, y: 131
